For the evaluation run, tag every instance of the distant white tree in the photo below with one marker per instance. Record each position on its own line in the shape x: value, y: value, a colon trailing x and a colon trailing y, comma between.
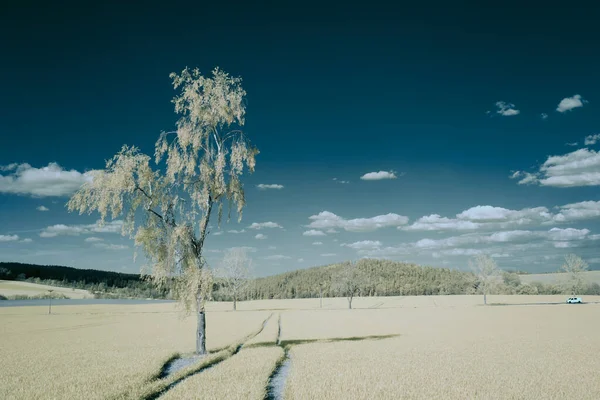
x: 486, y: 270
x: 204, y: 160
x: 575, y: 268
x: 348, y: 281
x: 235, y: 269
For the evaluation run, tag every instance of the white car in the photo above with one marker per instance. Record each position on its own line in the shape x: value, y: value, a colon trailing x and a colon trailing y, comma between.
x: 572, y: 300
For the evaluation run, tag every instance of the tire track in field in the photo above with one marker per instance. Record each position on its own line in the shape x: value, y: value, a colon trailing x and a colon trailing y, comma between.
x: 156, y: 394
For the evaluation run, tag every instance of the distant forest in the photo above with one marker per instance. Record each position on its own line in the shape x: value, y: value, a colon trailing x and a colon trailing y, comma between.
x: 381, y: 278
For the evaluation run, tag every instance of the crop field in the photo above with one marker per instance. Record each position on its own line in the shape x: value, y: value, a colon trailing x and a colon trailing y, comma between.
x: 427, y: 347
x: 557, y: 277
x: 14, y: 288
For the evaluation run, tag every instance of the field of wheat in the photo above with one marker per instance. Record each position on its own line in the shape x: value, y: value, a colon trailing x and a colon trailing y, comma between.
x: 16, y: 288
x: 446, y: 347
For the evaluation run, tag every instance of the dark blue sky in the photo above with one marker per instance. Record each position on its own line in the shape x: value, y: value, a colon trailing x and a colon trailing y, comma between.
x: 334, y: 91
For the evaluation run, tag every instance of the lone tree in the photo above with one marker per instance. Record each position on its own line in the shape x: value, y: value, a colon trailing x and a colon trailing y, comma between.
x: 574, y: 267
x: 486, y: 270
x: 205, y: 157
x: 348, y: 281
x: 235, y: 270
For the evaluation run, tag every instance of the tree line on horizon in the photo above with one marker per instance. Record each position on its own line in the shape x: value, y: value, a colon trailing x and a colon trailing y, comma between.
x: 377, y: 278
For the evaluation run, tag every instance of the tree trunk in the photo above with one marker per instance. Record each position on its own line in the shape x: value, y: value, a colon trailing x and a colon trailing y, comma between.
x: 320, y: 297
x: 350, y: 303
x: 234, y: 303
x: 485, y: 299
x: 201, y: 334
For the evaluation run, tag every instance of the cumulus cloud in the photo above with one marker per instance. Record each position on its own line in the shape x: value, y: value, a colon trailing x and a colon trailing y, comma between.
x: 377, y: 176
x: 569, y: 103
x: 506, y: 109
x: 578, y: 168
x: 261, y: 225
x: 236, y: 231
x: 331, y: 230
x: 49, y: 181
x: 260, y: 236
x: 481, y: 217
x: 76, y: 230
x: 93, y: 239
x: 363, y: 245
x: 592, y: 139
x: 313, y: 232
x: 578, y: 211
x: 263, y: 186
x: 544, y: 116
x: 326, y: 220
x: 9, y: 238
x: 42, y: 208
x: 26, y: 240
x: 317, y: 243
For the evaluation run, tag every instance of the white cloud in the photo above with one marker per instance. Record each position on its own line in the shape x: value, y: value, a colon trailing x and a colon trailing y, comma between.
x: 377, y: 176
x: 277, y: 257
x: 328, y: 255
x: 93, y: 239
x: 578, y: 211
x: 8, y: 167
x: 435, y: 222
x: 578, y: 168
x: 260, y: 236
x: 107, y: 246
x: 363, y: 245
x: 569, y: 103
x: 42, y: 208
x: 235, y: 231
x: 260, y: 225
x: 317, y: 243
x: 47, y: 181
x: 592, y: 139
x: 219, y: 233
x: 326, y: 219
x: 263, y: 186
x: 76, y: 230
x: 26, y: 240
x: 9, y: 238
x: 528, y: 178
x: 544, y: 116
x: 572, y: 144
x: 272, y: 247
x: 481, y: 217
x: 313, y: 232
x: 301, y: 260
x: 506, y: 109
x: 331, y: 230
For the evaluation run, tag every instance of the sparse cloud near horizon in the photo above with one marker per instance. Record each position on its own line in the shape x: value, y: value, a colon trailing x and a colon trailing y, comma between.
x: 76, y: 230
x: 329, y: 220
x: 261, y: 225
x: 377, y: 176
x: 578, y: 168
x: 263, y: 186
x: 9, y: 238
x: 569, y: 103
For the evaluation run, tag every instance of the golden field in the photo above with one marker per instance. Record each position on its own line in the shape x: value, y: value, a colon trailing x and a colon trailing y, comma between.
x: 13, y: 288
x: 426, y: 347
